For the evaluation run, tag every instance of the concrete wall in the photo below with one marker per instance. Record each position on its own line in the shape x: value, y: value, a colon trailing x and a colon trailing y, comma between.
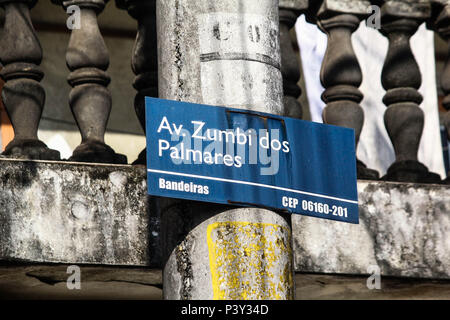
x: 56, y: 212
x: 39, y: 282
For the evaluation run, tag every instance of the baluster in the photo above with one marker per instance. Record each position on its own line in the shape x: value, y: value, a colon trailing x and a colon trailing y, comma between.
x: 341, y: 74
x: 401, y: 78
x: 90, y: 101
x: 23, y: 95
x: 289, y: 10
x: 144, y: 60
x: 441, y: 23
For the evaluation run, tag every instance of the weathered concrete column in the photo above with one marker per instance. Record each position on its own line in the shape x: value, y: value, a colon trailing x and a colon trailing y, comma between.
x: 223, y: 53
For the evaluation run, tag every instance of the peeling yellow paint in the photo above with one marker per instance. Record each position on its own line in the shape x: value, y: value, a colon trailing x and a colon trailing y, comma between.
x: 250, y: 260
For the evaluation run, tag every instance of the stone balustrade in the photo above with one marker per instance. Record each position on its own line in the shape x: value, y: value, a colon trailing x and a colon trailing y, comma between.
x: 341, y: 74
x: 144, y: 57
x: 401, y: 78
x: 289, y: 12
x: 440, y: 22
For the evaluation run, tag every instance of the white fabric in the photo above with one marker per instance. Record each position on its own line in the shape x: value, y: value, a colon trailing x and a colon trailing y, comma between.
x: 375, y: 148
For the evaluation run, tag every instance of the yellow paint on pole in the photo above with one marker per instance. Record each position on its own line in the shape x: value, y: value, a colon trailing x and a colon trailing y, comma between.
x: 250, y: 261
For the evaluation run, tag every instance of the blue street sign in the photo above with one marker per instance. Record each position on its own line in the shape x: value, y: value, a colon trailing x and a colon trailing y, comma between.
x: 233, y: 156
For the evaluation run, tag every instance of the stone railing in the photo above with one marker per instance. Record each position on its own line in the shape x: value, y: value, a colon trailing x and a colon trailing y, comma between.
x: 90, y: 100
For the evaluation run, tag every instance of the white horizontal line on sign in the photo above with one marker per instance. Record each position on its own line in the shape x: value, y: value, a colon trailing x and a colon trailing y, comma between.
x: 251, y: 184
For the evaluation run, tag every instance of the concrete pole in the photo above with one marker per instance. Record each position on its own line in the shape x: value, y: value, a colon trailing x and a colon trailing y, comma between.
x: 223, y: 53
